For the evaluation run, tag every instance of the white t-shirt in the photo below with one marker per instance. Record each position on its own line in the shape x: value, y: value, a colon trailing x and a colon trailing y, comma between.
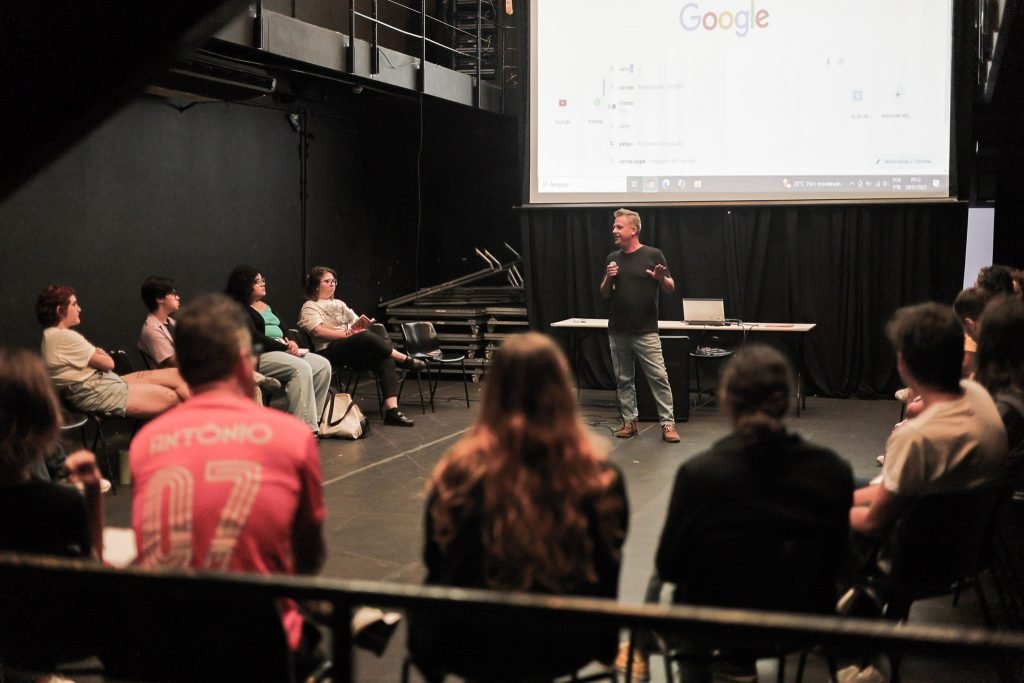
x: 951, y: 446
x: 332, y: 313
x: 67, y: 355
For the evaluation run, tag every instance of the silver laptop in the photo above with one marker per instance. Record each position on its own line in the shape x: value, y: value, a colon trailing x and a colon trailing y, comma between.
x: 704, y: 311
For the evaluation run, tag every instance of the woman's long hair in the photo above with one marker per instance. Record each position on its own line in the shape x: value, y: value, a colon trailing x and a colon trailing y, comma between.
x: 531, y: 456
x: 30, y: 416
x: 1000, y: 357
x: 754, y: 389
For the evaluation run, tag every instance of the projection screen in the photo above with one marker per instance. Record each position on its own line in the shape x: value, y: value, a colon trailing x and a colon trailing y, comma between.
x: 739, y: 100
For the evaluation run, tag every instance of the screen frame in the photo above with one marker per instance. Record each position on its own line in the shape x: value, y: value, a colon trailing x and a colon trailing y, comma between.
x: 963, y: 88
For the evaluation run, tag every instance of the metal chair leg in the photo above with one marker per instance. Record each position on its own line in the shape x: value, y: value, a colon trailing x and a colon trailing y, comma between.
x: 465, y: 384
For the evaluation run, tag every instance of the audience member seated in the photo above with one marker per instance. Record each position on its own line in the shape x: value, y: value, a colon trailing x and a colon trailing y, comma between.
x: 84, y: 373
x: 523, y: 502
x: 247, y: 496
x: 156, y: 339
x: 339, y: 335
x: 761, y: 519
x: 306, y: 379
x: 1000, y: 364
x: 38, y: 516
x: 968, y: 307
x: 41, y: 629
x: 995, y: 280
x: 957, y: 443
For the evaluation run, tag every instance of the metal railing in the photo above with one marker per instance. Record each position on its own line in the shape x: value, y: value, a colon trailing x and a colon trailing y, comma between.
x: 477, y: 37
x: 726, y: 626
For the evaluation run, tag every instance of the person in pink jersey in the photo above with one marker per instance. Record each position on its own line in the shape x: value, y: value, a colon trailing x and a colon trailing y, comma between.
x: 220, y: 483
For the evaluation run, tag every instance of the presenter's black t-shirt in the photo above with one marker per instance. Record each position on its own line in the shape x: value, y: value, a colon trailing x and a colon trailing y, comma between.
x: 634, y: 302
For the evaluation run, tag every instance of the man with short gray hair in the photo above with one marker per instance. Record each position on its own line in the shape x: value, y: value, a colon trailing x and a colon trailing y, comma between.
x: 220, y: 483
x: 633, y: 276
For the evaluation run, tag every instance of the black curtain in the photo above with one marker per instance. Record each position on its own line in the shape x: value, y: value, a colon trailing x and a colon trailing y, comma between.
x: 846, y: 268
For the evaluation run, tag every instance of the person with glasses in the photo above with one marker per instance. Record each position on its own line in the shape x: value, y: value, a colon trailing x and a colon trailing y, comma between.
x: 338, y: 334
x: 156, y: 340
x: 306, y: 379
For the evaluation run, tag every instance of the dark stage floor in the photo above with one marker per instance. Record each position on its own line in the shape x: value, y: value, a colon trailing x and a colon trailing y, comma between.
x: 374, y: 491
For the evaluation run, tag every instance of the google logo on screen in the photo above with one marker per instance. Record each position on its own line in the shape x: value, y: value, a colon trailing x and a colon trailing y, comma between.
x: 741, y: 22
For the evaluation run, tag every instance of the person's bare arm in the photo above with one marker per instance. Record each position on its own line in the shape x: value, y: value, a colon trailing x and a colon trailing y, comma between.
x: 874, y: 509
x: 665, y: 281
x: 324, y: 332
x: 101, y: 360
x: 81, y: 466
x: 170, y: 362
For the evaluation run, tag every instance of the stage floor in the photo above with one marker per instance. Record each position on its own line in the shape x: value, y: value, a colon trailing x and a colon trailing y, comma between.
x: 374, y: 490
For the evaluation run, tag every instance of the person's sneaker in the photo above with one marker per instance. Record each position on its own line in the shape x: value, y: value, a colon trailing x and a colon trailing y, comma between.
x: 628, y: 430
x: 641, y: 666
x: 903, y: 394
x: 880, y: 459
x: 372, y: 628
x: 669, y: 433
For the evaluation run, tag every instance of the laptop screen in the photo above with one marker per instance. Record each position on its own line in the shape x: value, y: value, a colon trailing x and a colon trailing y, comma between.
x: 703, y: 311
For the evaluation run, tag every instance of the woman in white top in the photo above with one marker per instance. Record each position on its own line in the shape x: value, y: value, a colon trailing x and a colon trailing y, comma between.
x: 83, y: 373
x: 338, y: 335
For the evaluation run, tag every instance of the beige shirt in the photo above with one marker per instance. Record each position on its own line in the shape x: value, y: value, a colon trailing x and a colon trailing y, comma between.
x: 951, y: 446
x: 67, y: 355
x: 331, y: 313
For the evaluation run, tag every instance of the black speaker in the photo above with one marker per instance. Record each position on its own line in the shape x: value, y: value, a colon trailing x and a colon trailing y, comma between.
x: 677, y: 357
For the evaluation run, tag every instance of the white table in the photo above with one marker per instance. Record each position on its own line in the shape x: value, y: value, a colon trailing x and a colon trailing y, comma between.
x: 666, y: 328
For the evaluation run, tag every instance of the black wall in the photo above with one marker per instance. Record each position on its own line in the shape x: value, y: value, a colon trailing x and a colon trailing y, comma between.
x: 190, y: 194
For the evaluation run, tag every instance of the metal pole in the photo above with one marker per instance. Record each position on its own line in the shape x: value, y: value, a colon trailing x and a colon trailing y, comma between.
x: 423, y: 46
x: 257, y: 26
x: 479, y: 50
x: 303, y: 185
x: 375, y: 43
x: 352, y: 36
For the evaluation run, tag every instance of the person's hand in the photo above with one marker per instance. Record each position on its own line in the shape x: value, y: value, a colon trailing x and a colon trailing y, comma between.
x: 658, y: 272
x: 81, y: 466
x: 292, y: 347
x: 362, y: 323
x: 612, y: 270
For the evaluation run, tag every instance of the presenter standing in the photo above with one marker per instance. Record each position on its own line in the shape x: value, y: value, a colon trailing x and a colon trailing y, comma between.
x: 632, y: 277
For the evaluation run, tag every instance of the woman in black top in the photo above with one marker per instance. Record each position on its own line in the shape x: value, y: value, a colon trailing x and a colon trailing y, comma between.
x: 522, y: 503
x: 39, y: 516
x: 306, y: 379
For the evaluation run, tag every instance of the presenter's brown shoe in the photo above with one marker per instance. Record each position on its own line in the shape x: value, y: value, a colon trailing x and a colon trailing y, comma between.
x: 628, y: 430
x: 669, y: 433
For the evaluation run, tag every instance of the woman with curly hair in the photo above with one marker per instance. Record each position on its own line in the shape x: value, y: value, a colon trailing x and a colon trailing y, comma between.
x: 84, y: 374
x: 524, y: 502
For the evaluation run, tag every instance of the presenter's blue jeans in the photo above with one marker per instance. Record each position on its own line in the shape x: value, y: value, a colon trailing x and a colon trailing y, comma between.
x: 626, y: 350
